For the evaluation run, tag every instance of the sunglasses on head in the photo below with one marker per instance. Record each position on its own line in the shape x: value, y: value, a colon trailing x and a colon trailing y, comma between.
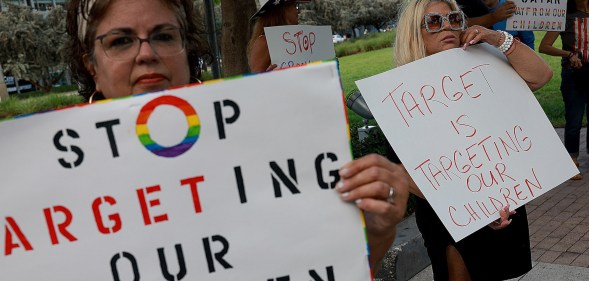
x: 434, y: 22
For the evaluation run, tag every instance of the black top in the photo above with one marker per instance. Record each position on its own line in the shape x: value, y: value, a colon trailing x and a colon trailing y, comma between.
x: 575, y: 36
x: 488, y: 254
x: 473, y: 8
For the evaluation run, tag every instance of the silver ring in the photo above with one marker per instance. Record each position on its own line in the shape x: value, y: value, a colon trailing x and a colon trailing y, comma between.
x: 476, y: 31
x: 391, y: 197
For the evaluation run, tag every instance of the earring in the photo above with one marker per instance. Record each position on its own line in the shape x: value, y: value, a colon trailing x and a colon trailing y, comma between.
x: 91, y: 99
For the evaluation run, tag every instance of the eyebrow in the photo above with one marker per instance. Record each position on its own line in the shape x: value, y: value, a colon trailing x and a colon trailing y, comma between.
x: 128, y: 30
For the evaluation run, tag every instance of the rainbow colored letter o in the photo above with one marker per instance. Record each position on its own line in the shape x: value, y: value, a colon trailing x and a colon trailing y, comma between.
x: 191, y: 119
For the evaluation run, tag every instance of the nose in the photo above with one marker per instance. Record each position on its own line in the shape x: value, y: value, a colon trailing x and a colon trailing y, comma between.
x: 146, y: 52
x: 446, y: 24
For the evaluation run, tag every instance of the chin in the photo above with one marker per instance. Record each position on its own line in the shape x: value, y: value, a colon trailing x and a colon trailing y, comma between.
x: 150, y: 88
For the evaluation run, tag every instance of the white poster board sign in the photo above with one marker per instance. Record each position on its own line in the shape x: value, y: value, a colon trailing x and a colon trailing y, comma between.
x: 470, y: 133
x: 293, y: 45
x: 538, y: 15
x: 229, y: 180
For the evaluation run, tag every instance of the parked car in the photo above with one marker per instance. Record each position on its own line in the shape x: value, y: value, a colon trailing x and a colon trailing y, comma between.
x: 337, y: 38
x: 23, y: 85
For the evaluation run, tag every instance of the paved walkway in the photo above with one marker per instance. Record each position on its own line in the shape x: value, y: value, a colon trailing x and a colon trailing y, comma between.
x: 559, y: 229
x: 559, y: 219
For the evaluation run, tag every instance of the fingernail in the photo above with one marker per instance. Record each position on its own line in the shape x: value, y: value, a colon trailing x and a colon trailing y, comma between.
x: 339, y: 185
x: 345, y: 194
x: 343, y: 172
x: 358, y: 201
x: 471, y: 42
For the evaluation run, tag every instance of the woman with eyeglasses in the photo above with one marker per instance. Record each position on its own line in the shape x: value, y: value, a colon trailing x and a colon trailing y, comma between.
x: 271, y: 13
x: 120, y: 48
x: 124, y: 47
x: 502, y: 249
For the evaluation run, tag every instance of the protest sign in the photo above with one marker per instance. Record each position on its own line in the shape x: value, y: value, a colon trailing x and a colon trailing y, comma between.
x: 470, y: 132
x: 293, y: 45
x: 229, y: 180
x: 538, y: 15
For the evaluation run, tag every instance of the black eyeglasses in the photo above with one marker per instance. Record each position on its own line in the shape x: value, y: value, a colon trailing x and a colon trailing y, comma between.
x: 119, y: 45
x: 434, y: 22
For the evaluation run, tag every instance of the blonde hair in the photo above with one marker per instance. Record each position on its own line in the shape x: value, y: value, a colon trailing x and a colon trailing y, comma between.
x: 409, y: 45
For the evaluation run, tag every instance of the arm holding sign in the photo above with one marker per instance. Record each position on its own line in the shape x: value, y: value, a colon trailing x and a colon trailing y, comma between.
x: 380, y: 188
x: 527, y: 63
x: 259, y: 56
x: 503, y: 12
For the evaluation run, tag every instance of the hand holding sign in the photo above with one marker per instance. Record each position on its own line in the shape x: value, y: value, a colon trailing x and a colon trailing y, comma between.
x: 504, y: 11
x: 380, y: 188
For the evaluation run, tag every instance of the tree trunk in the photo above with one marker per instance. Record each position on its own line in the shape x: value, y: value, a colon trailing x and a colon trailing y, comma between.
x: 3, y: 89
x: 236, y: 31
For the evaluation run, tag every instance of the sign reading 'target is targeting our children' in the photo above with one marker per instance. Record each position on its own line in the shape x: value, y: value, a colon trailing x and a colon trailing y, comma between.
x: 538, y: 15
x: 230, y: 180
x: 470, y: 132
x: 293, y: 45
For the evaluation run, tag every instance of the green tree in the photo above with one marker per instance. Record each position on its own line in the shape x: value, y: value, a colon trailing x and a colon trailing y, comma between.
x: 31, y: 45
x: 327, y: 12
x: 345, y: 14
x: 377, y: 13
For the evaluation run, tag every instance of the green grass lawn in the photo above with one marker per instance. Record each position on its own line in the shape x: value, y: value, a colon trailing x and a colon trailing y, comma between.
x: 26, y: 103
x: 359, y: 66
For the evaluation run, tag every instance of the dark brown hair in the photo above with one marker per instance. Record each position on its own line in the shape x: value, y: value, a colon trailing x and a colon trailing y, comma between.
x: 77, y: 48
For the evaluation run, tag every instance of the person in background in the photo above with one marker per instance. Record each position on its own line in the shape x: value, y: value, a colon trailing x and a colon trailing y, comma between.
x: 478, y: 14
x: 574, y: 85
x: 124, y: 47
x: 271, y: 13
x: 527, y: 37
x: 500, y: 250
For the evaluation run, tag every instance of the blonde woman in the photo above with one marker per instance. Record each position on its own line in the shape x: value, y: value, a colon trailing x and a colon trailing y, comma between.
x: 501, y: 250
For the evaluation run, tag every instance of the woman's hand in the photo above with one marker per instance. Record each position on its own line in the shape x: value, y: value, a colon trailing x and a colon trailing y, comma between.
x: 367, y: 182
x: 576, y: 61
x: 504, y: 11
x: 525, y: 61
x: 503, y: 221
x: 477, y: 33
x: 380, y: 188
